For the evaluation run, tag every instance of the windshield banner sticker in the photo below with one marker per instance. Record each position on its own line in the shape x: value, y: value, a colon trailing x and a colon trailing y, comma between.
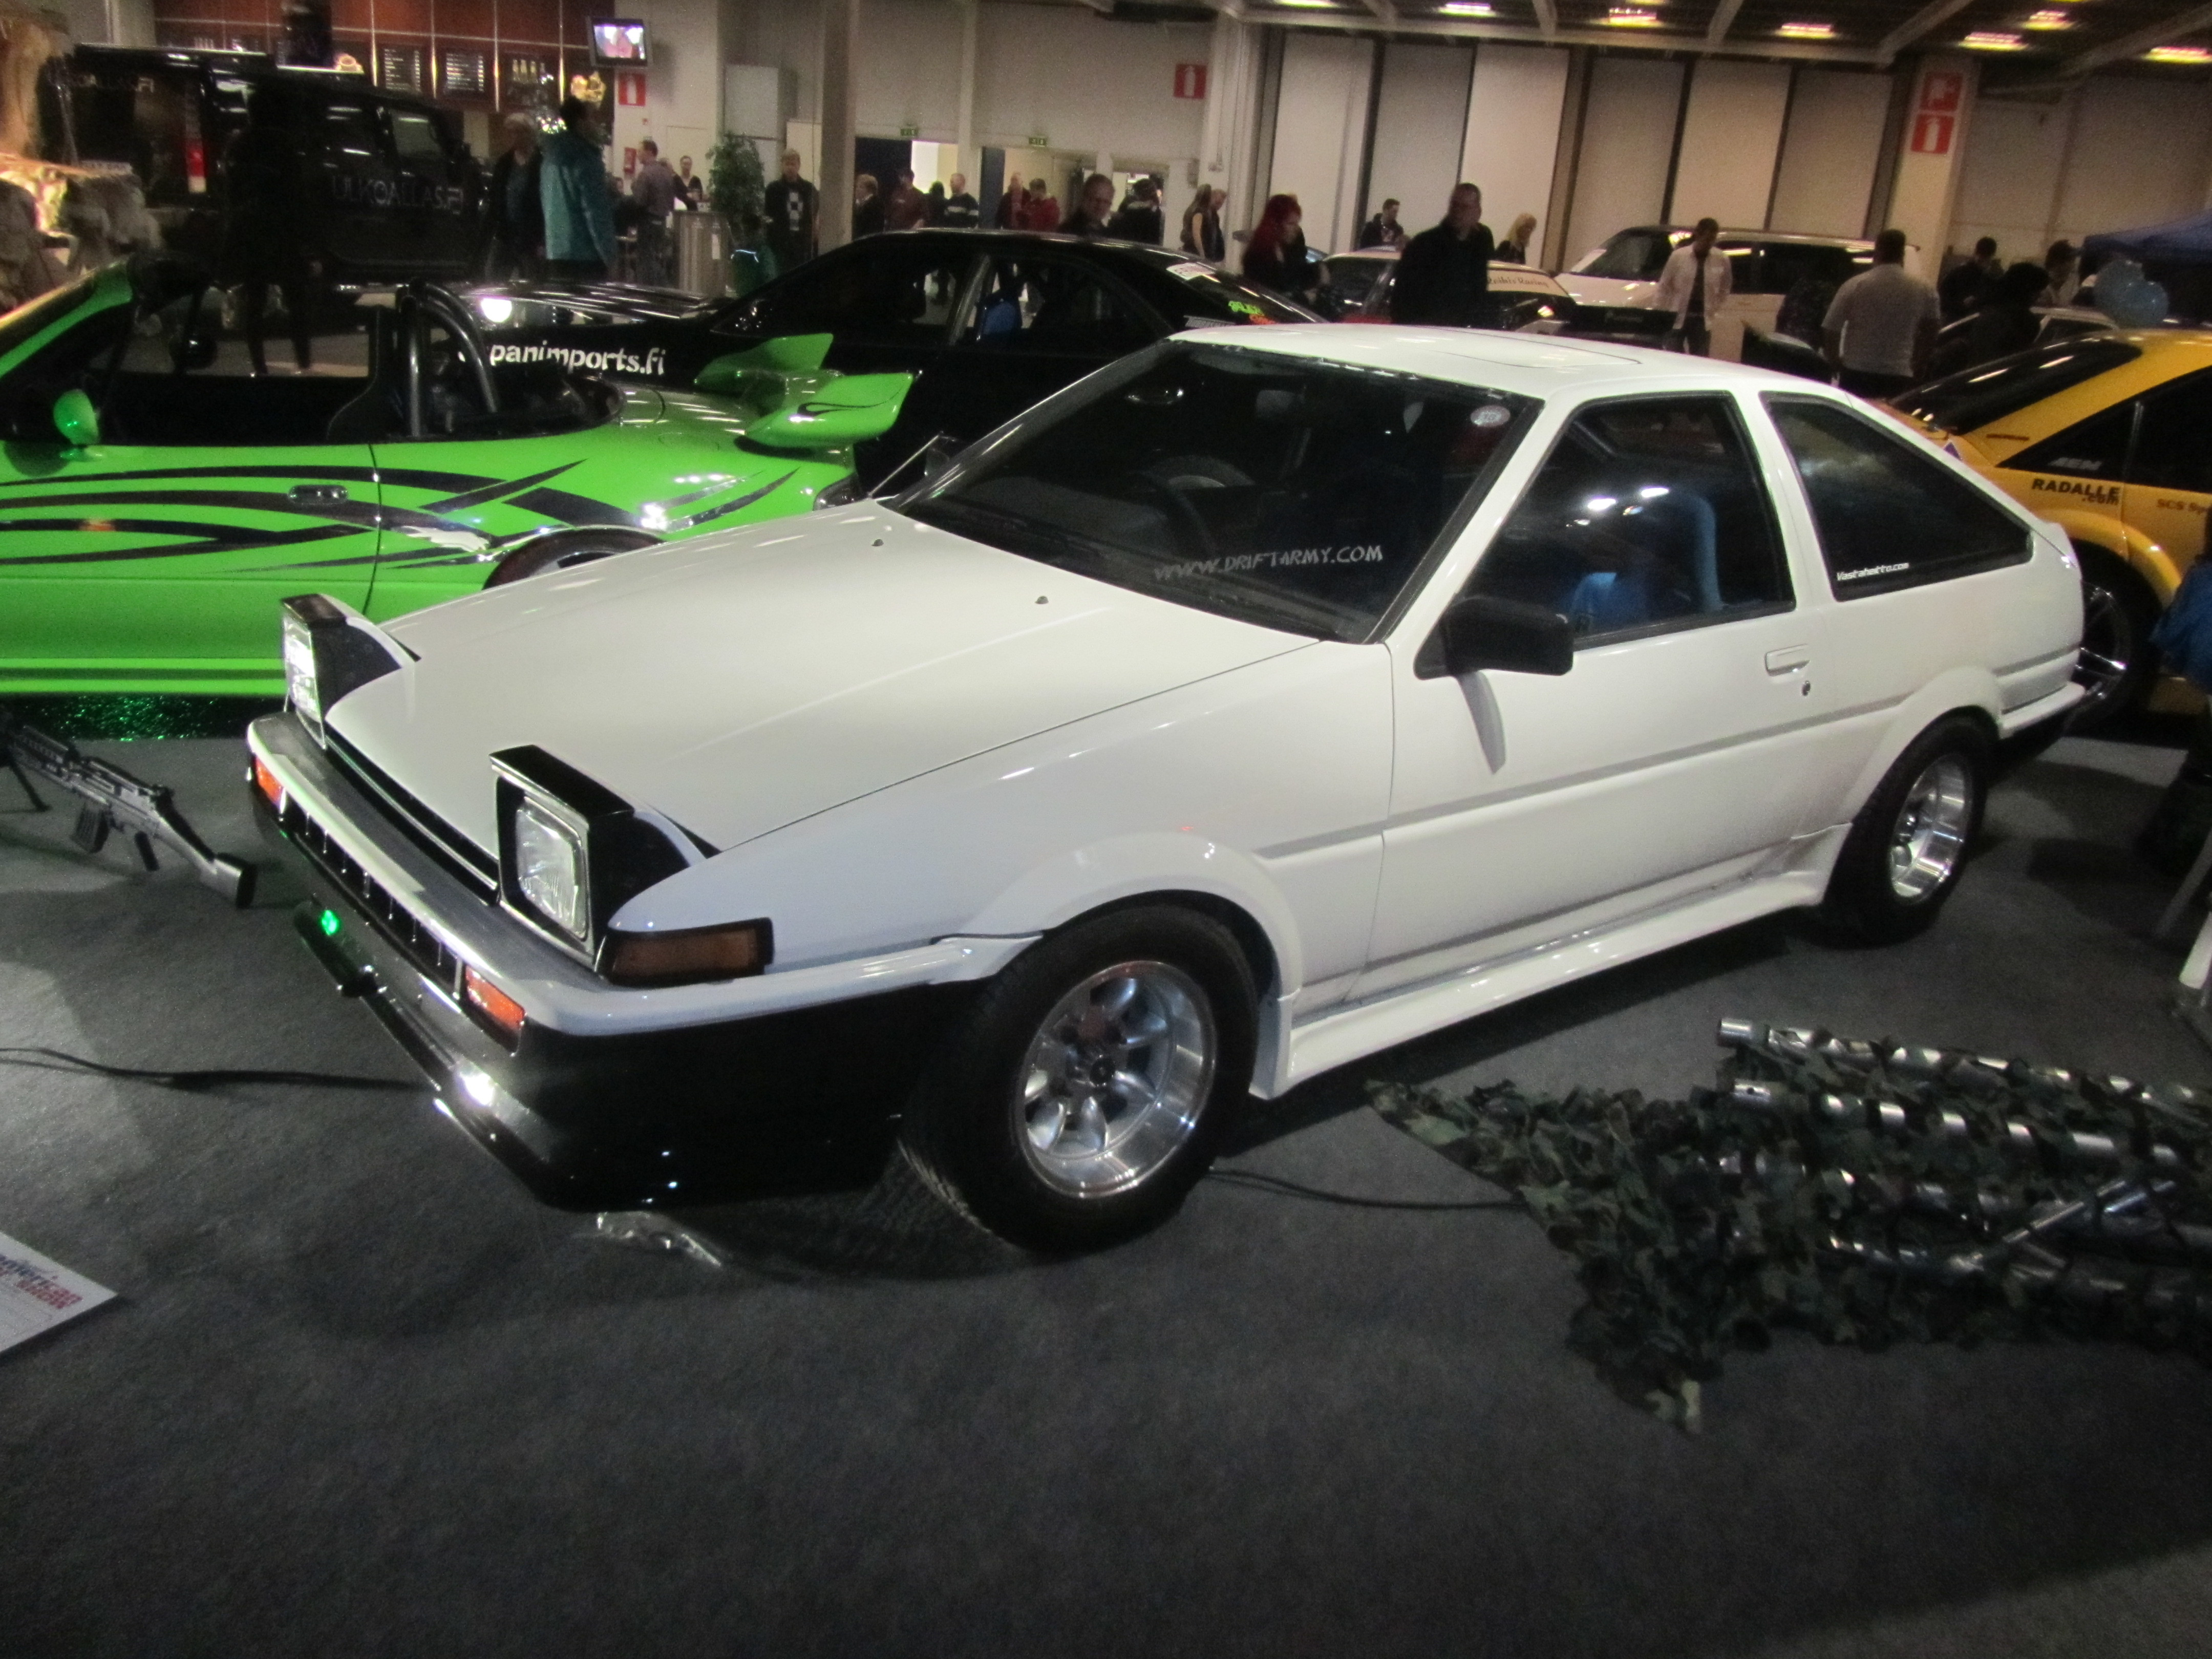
x: 653, y: 362
x: 1285, y: 559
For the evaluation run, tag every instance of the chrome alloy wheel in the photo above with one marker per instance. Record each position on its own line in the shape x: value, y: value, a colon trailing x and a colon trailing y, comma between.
x: 2109, y: 647
x: 1930, y: 837
x: 1115, y: 1079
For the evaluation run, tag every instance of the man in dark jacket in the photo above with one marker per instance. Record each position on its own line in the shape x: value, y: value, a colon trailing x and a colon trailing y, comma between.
x: 264, y: 235
x: 788, y: 207
x: 962, y: 211
x: 514, y: 214
x: 1444, y: 275
x: 1138, y: 218
x: 1969, y: 285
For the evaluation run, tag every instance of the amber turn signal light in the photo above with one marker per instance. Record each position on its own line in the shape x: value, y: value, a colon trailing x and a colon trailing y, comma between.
x: 688, y: 955
x: 502, y: 1011
x: 266, y: 781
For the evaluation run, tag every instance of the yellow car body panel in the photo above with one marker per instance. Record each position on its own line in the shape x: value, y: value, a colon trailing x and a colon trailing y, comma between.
x: 2159, y: 531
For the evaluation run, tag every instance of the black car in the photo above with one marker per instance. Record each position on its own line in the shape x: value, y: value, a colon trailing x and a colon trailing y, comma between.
x: 989, y: 322
x: 391, y: 188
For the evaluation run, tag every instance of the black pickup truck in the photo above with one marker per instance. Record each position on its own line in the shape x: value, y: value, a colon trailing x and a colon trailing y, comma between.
x: 391, y: 188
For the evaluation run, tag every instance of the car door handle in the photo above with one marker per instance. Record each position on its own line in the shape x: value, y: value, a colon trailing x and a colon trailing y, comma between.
x: 1788, y: 659
x: 330, y: 495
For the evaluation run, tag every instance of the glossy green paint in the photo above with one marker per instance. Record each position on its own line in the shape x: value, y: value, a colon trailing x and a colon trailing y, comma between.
x: 159, y: 568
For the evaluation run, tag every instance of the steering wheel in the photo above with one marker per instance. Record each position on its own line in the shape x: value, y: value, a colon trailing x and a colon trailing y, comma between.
x: 1179, y: 510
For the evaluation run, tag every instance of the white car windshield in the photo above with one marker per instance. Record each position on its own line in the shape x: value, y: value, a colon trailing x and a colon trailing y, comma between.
x: 1293, y: 493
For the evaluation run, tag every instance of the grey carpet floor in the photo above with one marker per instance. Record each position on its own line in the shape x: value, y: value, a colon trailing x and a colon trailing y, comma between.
x: 361, y: 1396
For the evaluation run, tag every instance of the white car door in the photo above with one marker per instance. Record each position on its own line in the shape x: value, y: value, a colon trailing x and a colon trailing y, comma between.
x: 1525, y: 808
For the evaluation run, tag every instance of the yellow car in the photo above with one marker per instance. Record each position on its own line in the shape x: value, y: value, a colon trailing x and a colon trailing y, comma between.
x: 2109, y: 436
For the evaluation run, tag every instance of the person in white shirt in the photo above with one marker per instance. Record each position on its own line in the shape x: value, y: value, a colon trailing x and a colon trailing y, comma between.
x: 1881, y: 324
x: 1695, y: 284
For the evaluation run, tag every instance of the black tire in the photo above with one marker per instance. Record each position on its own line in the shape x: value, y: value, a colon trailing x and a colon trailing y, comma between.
x: 971, y: 1136
x: 1869, y: 898
x: 2118, y: 611
x: 563, y: 552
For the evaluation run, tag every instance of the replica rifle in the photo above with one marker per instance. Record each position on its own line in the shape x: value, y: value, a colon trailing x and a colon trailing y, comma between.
x: 111, y: 799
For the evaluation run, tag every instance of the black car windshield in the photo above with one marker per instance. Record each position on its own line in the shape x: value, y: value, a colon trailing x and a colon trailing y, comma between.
x: 1352, y: 276
x: 1292, y: 494
x: 25, y: 320
x: 1973, y: 398
x: 1214, y: 293
x: 1632, y: 256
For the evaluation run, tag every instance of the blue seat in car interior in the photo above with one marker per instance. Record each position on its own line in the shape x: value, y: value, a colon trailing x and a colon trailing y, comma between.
x: 1001, y: 318
x: 1682, y: 534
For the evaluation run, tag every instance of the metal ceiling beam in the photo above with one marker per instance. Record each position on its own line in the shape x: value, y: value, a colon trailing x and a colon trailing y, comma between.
x: 1724, y: 21
x: 1384, y: 10
x: 2133, y: 46
x: 1920, y: 23
x: 1547, y: 17
x: 1520, y: 35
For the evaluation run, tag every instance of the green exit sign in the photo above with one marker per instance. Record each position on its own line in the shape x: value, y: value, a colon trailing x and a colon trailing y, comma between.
x: 1038, y: 141
x: 910, y: 132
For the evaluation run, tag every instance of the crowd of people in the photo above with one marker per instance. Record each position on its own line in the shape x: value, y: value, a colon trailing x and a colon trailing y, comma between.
x: 551, y: 208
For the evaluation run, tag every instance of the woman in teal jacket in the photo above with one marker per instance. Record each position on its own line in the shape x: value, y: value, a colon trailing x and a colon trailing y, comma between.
x: 580, y: 220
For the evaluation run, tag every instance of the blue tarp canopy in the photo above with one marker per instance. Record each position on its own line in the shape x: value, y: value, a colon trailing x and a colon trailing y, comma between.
x: 2178, y: 241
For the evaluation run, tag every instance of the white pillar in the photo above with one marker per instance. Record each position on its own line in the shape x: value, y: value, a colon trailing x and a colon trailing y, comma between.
x: 1929, y: 149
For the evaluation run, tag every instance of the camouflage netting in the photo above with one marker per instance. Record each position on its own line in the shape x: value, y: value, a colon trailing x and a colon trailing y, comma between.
x: 1868, y: 1193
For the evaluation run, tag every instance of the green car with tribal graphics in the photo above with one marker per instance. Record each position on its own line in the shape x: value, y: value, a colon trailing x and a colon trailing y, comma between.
x: 157, y: 501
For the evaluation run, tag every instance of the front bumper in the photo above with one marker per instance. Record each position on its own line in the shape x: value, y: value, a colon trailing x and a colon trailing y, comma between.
x: 612, y: 1114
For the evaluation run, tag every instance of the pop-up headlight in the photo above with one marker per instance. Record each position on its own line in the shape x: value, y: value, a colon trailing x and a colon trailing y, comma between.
x: 572, y: 853
x: 552, y: 871
x: 330, y: 649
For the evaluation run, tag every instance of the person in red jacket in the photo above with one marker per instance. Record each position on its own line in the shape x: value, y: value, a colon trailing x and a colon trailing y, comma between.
x: 1041, y: 211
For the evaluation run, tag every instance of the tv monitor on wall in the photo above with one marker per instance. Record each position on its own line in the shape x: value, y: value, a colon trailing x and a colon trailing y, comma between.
x: 618, y: 42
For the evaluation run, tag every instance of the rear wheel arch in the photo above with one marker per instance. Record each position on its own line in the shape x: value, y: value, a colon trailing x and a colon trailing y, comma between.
x: 2117, y: 630
x: 561, y: 549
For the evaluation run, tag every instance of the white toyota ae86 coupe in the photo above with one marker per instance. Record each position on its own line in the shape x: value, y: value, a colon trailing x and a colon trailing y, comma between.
x: 1264, y: 700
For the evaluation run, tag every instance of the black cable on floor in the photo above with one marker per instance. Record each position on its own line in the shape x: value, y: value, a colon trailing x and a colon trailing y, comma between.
x: 54, y: 1059
x: 1291, y: 1188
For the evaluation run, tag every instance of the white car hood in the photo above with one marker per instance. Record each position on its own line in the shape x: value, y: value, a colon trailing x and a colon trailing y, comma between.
x: 738, y: 682
x: 1609, y: 291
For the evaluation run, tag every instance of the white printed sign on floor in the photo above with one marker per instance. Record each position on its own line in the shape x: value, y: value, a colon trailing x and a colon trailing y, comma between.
x: 36, y: 1294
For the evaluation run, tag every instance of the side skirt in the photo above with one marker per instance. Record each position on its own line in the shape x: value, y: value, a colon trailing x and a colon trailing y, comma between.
x: 1344, y: 1035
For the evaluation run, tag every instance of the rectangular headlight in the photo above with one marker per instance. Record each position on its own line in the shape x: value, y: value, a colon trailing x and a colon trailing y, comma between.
x: 550, y: 869
x: 571, y: 851
x: 330, y: 649
x: 300, y: 669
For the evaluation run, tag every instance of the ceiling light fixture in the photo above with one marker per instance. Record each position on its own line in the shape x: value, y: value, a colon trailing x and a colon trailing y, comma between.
x: 1469, y: 8
x: 2047, y: 20
x: 1807, y: 31
x: 1629, y: 17
x: 1993, y: 41
x: 2180, y: 54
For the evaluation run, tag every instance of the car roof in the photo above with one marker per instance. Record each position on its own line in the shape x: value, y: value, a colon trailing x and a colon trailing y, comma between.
x: 1535, y: 365
x: 1795, y: 238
